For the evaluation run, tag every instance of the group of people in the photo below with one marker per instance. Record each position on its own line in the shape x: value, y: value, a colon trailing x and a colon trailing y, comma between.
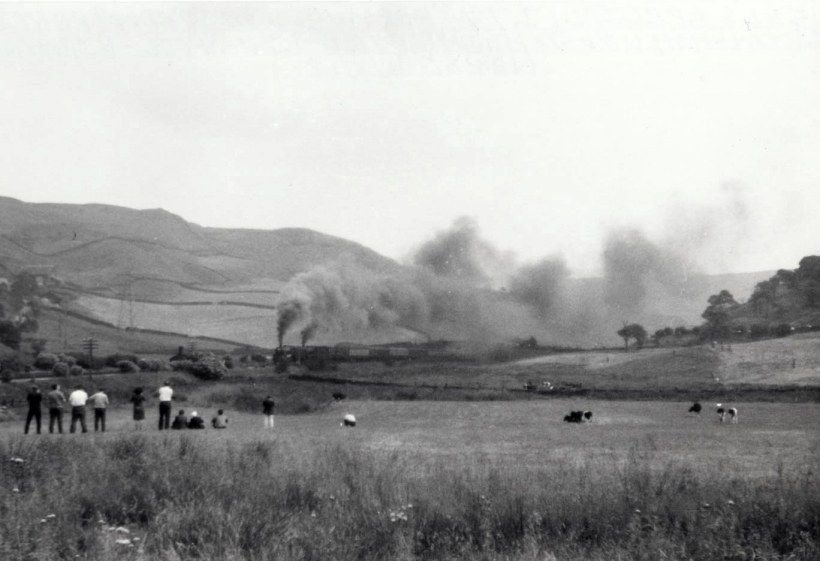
x: 56, y: 403
x: 78, y: 399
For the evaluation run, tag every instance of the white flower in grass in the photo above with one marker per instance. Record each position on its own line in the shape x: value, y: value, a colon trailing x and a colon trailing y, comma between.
x: 124, y: 541
x: 17, y: 460
x: 123, y: 530
x: 15, y: 490
x: 49, y: 516
x: 43, y: 521
x: 135, y: 539
x: 730, y: 502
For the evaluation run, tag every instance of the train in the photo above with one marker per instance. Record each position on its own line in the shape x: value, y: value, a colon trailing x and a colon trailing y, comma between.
x: 350, y: 353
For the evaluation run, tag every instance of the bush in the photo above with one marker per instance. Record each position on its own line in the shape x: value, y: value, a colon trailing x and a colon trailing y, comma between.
x: 126, y: 366
x: 68, y: 359
x: 60, y: 369
x: 209, y: 368
x: 152, y: 365
x: 76, y: 370
x: 113, y: 359
x: 6, y: 376
x: 228, y: 360
x: 45, y: 361
x: 181, y: 365
x: 90, y: 363
x: 758, y: 331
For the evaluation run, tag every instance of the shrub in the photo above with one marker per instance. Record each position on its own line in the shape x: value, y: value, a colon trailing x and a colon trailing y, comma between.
x: 45, y: 361
x: 152, y: 365
x: 60, y: 369
x: 228, y: 360
x: 758, y: 331
x: 113, y: 359
x: 90, y: 363
x: 6, y: 376
x: 76, y: 370
x: 68, y: 359
x: 209, y: 368
x: 127, y: 366
x: 261, y: 359
x: 181, y: 365
x: 281, y: 366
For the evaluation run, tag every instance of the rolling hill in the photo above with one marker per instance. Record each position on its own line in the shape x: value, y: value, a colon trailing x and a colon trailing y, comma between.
x: 151, y: 269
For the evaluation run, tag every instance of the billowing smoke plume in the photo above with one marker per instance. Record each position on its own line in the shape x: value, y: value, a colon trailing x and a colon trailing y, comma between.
x: 461, y: 253
x: 541, y: 286
x: 460, y: 286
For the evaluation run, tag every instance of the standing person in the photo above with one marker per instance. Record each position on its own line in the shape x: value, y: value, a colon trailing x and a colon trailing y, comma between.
x: 165, y: 394
x: 77, y: 400
x: 267, y: 411
x: 100, y: 401
x: 220, y: 421
x: 35, y: 399
x: 139, y: 408
x: 56, y: 402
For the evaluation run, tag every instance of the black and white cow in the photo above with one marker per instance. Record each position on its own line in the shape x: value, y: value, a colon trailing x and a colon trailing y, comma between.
x: 578, y: 417
x: 696, y: 408
x: 731, y: 411
x: 348, y: 421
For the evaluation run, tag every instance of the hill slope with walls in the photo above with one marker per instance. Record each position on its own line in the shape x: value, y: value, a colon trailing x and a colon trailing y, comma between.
x: 152, y: 269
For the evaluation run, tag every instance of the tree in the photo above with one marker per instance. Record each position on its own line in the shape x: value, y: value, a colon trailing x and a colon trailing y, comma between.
x: 633, y: 331
x: 717, y: 314
x: 9, y: 334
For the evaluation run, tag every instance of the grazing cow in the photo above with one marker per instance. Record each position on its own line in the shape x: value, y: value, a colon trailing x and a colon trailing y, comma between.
x: 696, y: 408
x: 529, y: 386
x: 339, y: 396
x: 588, y: 416
x: 577, y: 417
x: 348, y: 421
x: 731, y: 411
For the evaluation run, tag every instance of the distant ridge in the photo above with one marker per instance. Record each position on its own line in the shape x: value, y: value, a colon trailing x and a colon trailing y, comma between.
x: 94, y: 246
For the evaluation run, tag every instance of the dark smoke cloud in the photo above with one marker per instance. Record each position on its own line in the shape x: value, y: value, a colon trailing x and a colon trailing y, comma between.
x: 459, y: 252
x: 541, y: 286
x: 449, y: 290
x: 633, y: 264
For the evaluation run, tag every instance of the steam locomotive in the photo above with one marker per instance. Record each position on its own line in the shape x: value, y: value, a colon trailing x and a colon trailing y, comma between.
x: 349, y: 353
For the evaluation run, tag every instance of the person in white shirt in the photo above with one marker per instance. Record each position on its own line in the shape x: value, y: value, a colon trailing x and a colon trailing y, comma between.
x: 100, y: 401
x: 77, y: 400
x: 165, y: 394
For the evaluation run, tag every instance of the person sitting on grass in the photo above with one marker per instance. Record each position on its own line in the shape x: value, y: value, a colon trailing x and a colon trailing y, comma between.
x: 180, y: 421
x: 196, y: 422
x: 220, y: 421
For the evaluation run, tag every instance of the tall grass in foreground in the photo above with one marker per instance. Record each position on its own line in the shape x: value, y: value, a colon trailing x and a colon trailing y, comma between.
x: 181, y: 497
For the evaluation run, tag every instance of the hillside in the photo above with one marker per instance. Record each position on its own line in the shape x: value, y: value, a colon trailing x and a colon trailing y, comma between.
x: 100, y: 246
x: 151, y: 269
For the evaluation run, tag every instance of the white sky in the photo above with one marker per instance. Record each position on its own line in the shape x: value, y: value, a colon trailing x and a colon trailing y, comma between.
x: 550, y: 123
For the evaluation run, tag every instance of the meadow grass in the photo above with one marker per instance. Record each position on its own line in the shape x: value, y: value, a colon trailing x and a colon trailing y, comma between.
x: 425, y: 481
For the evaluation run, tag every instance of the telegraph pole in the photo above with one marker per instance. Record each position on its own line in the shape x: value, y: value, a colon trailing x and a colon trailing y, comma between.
x: 89, y: 345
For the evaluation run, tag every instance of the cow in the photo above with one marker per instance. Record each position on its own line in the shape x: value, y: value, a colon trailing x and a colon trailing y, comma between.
x: 529, y: 386
x: 339, y: 396
x: 731, y: 411
x: 578, y: 417
x: 696, y: 408
x: 348, y: 421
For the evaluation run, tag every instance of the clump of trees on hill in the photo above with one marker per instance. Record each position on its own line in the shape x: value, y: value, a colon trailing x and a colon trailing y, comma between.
x: 789, y: 290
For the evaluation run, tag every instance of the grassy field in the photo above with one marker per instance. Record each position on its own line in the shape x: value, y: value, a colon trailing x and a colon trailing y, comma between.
x: 422, y: 480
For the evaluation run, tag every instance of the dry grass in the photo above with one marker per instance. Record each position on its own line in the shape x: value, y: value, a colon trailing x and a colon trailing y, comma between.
x: 423, y: 481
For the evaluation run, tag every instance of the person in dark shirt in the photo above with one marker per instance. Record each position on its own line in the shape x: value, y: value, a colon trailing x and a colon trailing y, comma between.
x: 180, y: 421
x: 56, y: 401
x: 35, y: 399
x: 196, y: 422
x: 267, y: 411
x: 139, y: 408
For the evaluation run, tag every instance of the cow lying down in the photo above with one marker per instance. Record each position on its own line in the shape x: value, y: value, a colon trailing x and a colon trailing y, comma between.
x: 578, y: 417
